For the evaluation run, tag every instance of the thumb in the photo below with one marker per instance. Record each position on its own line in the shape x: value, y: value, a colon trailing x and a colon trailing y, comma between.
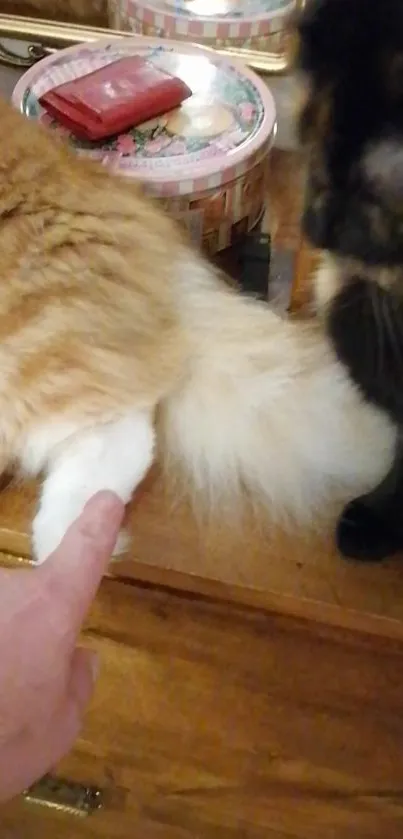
x: 71, y: 575
x: 37, y: 749
x: 67, y: 722
x: 80, y: 686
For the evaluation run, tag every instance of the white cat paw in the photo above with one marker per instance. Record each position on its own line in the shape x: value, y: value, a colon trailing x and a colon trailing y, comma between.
x: 122, y: 546
x: 50, y: 526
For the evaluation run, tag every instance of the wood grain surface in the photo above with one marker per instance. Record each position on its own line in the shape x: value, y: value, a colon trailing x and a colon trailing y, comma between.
x: 213, y: 722
x: 293, y: 573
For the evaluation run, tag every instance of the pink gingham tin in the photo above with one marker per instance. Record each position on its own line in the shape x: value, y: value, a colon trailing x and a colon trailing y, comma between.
x: 206, y: 161
x: 252, y: 24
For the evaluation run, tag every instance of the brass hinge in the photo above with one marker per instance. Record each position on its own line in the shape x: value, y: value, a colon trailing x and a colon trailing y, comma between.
x: 64, y: 796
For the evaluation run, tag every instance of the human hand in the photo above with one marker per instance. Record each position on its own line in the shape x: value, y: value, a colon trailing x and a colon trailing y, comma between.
x: 46, y: 681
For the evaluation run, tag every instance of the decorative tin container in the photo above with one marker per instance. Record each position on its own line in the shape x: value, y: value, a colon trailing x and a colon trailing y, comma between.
x: 252, y: 24
x: 207, y: 161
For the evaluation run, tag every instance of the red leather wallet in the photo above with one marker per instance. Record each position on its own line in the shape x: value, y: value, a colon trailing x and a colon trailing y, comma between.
x: 119, y: 96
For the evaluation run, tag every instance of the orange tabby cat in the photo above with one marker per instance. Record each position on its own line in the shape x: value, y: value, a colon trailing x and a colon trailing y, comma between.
x: 115, y: 335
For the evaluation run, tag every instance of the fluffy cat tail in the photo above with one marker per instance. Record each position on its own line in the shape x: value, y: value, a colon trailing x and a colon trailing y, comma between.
x: 264, y: 407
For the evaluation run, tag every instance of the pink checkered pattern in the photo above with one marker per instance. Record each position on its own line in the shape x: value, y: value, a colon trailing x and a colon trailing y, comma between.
x: 155, y: 15
x: 215, y: 180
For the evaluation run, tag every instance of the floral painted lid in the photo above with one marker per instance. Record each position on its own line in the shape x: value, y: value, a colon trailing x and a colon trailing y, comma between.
x: 212, y: 19
x: 214, y: 137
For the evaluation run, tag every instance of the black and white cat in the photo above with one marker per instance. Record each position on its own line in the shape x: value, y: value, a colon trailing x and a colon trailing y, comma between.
x: 350, y: 54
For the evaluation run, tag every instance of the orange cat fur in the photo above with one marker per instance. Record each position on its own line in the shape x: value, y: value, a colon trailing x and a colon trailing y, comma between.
x: 115, y: 336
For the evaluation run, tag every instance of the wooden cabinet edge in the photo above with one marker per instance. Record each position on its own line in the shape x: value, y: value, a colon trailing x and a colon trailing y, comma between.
x: 137, y: 574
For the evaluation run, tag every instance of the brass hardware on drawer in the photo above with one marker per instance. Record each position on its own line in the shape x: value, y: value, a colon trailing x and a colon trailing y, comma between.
x: 64, y: 796
x: 8, y: 560
x: 34, y: 53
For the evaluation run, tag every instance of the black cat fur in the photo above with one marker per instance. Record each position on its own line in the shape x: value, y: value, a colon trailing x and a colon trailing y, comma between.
x: 350, y: 56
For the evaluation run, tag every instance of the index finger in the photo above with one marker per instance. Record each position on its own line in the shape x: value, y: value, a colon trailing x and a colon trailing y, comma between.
x: 69, y: 579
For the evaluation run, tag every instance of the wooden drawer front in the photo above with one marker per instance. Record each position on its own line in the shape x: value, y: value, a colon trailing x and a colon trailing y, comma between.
x: 213, y: 723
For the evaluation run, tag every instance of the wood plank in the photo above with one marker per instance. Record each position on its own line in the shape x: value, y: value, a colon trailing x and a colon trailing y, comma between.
x: 261, y: 566
x: 219, y: 723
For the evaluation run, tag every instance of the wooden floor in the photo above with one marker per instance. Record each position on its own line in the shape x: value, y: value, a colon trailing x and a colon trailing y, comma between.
x: 214, y: 722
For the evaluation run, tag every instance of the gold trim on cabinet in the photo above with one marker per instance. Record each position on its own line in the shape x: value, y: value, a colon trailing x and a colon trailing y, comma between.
x: 53, y: 36
x: 8, y: 560
x: 64, y: 796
